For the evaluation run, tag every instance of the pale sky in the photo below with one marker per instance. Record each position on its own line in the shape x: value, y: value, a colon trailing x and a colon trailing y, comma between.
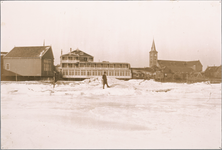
x: 117, y: 31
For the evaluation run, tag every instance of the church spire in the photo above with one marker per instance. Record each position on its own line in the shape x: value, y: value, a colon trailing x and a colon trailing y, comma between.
x: 153, y: 48
x: 153, y: 55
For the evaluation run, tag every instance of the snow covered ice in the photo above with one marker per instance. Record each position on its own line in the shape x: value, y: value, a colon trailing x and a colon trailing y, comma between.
x: 130, y: 114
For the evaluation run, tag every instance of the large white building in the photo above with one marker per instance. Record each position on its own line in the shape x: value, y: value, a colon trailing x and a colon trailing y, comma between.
x: 80, y: 65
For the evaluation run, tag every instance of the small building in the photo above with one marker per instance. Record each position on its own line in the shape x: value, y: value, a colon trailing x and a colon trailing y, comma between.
x: 142, y: 73
x: 2, y: 64
x: 29, y: 63
x: 213, y: 72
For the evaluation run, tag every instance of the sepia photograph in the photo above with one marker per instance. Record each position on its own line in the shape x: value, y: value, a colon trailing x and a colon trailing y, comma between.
x: 111, y: 74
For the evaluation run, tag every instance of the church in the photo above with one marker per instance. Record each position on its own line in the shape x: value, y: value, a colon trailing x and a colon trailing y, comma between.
x: 175, y: 66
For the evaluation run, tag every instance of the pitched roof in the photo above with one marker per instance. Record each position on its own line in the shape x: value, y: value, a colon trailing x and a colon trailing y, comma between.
x: 180, y: 69
x: 34, y: 51
x: 78, y: 52
x: 212, y: 69
x: 177, y: 63
x: 193, y: 62
x: 153, y: 48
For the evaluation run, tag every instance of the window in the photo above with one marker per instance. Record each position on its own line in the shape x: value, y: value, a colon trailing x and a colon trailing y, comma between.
x: 99, y: 73
x: 82, y: 65
x: 64, y: 65
x: 121, y: 73
x: 124, y: 66
x: 116, y: 73
x: 94, y: 73
x: 88, y: 65
x: 7, y: 67
x: 65, y: 72
x: 70, y: 65
x: 75, y: 65
x: 110, y: 73
x: 98, y: 65
x: 47, y: 65
x: 111, y: 66
x: 77, y: 72
x: 117, y: 66
x: 85, y: 59
x: 71, y: 72
x: 93, y: 65
x: 64, y: 58
x: 88, y: 72
x: 83, y: 72
x: 70, y: 58
x: 105, y: 66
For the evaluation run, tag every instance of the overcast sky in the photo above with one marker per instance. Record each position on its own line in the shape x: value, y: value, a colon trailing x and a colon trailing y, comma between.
x: 120, y: 31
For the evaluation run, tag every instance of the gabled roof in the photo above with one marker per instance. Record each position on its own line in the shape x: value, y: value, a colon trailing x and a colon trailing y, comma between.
x: 78, y: 52
x: 180, y: 69
x: 191, y: 63
x: 212, y: 69
x: 33, y: 51
x: 177, y: 63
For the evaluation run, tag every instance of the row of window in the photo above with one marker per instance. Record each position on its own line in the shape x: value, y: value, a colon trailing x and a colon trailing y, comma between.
x: 91, y: 65
x: 95, y: 73
x: 77, y: 58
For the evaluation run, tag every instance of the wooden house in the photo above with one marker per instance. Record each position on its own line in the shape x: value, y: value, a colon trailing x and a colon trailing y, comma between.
x: 26, y: 63
x: 142, y: 73
x: 2, y: 64
x: 213, y: 72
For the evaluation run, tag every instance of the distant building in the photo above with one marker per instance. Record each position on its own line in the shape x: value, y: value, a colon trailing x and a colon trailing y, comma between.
x: 24, y: 63
x: 142, y: 73
x: 213, y: 72
x: 80, y: 65
x: 174, y: 66
x: 2, y: 64
x: 181, y: 66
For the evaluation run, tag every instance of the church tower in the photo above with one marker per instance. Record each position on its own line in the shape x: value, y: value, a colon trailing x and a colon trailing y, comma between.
x: 153, y: 55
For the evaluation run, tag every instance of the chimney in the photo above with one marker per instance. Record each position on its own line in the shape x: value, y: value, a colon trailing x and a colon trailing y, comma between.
x: 44, y: 42
x: 61, y: 51
x: 70, y: 49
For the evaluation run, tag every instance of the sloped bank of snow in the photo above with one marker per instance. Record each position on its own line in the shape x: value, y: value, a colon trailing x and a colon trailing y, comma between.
x: 130, y: 114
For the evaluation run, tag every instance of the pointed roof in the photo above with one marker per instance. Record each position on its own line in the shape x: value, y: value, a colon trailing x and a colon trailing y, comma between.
x: 153, y: 48
x: 33, y: 51
x: 78, y: 52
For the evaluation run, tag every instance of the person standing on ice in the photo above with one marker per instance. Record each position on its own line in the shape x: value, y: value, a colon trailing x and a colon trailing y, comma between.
x: 105, y: 80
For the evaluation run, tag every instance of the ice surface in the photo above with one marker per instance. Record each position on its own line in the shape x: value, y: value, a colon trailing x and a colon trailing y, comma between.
x: 130, y: 114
